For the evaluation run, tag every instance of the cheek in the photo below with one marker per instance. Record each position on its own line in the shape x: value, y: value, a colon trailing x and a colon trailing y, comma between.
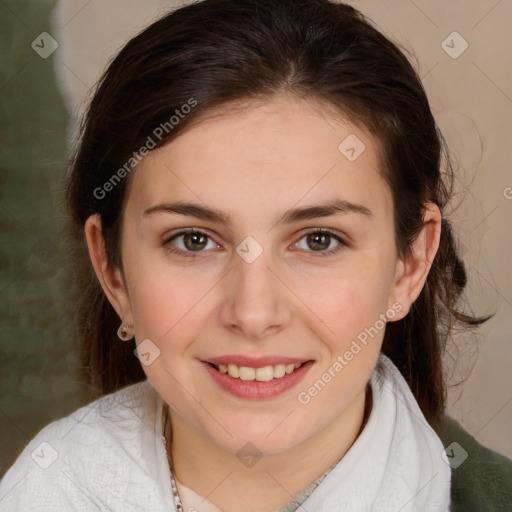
x: 162, y: 304
x: 353, y: 314
x: 356, y: 331
x: 170, y: 311
x: 348, y: 300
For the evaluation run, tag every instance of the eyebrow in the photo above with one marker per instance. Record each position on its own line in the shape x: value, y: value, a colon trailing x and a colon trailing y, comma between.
x: 295, y: 214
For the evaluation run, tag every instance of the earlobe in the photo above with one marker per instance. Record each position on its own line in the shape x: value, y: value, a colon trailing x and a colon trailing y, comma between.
x: 412, y: 270
x: 110, y: 278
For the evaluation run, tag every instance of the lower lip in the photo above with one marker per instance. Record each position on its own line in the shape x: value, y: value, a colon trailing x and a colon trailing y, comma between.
x: 255, y: 389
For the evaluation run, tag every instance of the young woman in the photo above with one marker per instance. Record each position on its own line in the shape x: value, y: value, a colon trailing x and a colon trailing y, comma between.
x: 261, y: 188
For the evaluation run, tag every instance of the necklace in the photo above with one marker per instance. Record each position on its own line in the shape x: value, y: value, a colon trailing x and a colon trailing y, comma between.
x: 175, y: 493
x: 303, y: 497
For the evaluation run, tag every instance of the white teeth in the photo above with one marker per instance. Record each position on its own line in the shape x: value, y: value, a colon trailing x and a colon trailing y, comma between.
x: 246, y: 373
x: 289, y: 368
x: 233, y: 371
x: 279, y: 371
x: 264, y: 374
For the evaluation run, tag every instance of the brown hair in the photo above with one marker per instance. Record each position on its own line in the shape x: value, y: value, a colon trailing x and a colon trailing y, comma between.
x: 220, y: 51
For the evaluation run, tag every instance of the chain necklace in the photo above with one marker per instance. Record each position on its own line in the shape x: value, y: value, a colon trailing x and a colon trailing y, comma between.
x: 168, y: 451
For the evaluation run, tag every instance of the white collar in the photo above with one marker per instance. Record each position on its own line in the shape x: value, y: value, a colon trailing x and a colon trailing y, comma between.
x: 405, y: 471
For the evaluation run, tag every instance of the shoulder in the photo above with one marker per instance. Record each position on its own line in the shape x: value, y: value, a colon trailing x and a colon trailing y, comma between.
x: 481, y: 477
x: 92, y: 459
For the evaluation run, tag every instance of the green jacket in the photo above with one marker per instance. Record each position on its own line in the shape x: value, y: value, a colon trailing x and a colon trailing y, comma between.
x: 482, y: 482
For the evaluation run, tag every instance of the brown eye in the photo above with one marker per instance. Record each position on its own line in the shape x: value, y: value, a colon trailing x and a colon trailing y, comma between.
x: 319, y: 241
x: 191, y: 241
x: 322, y: 242
x: 195, y: 241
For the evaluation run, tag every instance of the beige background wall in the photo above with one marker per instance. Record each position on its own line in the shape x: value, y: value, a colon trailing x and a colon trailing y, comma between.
x: 471, y: 97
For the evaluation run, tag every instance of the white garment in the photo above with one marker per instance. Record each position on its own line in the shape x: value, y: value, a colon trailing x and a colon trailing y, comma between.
x: 109, y: 456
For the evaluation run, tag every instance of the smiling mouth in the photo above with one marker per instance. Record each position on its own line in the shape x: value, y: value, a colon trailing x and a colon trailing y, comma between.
x: 263, y: 374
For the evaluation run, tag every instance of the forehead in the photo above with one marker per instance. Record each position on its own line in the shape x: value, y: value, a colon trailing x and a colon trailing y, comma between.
x: 261, y: 156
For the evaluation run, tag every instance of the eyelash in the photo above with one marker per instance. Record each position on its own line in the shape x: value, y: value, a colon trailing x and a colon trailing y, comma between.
x: 191, y: 254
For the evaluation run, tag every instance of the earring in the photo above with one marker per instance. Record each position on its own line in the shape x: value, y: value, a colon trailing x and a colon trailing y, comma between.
x: 125, y: 333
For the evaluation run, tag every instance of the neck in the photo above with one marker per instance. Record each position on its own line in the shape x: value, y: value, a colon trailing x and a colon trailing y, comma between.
x: 275, y: 479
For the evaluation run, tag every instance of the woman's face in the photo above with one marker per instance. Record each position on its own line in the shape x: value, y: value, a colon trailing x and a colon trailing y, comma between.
x: 291, y: 259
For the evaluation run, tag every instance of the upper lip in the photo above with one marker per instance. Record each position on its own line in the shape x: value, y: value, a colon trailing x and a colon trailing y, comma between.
x: 254, y: 362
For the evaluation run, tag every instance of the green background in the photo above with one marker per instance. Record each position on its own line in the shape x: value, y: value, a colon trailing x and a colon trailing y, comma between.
x: 38, y: 362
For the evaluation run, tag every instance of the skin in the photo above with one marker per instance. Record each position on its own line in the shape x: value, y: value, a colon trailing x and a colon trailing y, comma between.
x: 253, y: 165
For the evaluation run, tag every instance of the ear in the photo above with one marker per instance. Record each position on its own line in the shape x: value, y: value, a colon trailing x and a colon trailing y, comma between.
x: 111, y: 279
x: 412, y: 270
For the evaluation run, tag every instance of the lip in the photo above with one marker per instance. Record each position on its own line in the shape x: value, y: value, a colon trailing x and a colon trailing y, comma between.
x: 253, y: 389
x: 254, y: 362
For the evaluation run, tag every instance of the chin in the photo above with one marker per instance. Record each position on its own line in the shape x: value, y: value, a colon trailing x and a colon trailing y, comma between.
x: 262, y: 438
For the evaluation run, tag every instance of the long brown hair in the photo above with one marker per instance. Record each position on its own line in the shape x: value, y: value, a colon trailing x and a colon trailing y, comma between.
x: 219, y: 51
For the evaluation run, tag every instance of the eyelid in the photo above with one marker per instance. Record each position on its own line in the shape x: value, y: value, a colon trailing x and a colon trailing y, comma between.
x: 342, y: 240
x: 329, y: 231
x: 185, y: 231
x: 168, y: 238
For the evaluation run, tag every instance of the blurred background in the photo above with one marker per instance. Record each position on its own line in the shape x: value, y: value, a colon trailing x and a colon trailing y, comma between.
x: 51, y: 55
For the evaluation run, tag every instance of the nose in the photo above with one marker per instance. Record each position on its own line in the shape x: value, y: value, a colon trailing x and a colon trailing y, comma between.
x: 256, y: 304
